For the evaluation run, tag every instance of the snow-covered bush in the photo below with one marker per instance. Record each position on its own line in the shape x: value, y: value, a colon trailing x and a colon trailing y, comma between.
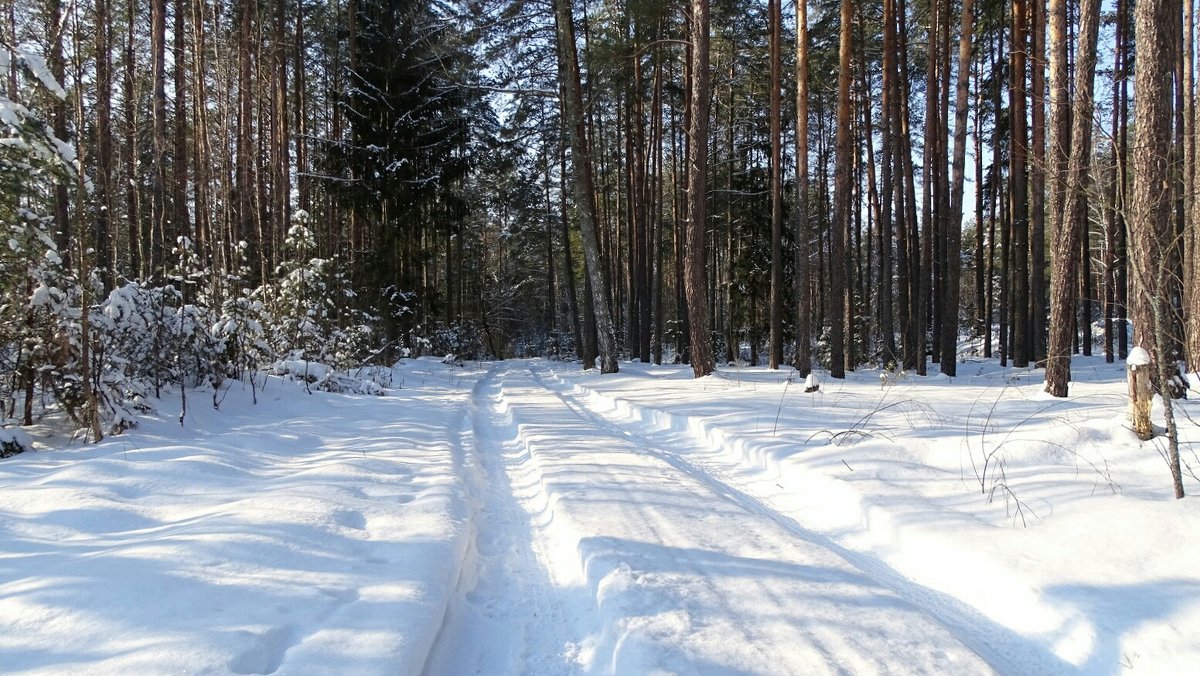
x: 463, y: 341
x: 303, y: 321
x: 322, y: 377
x: 301, y: 309
x: 14, y: 441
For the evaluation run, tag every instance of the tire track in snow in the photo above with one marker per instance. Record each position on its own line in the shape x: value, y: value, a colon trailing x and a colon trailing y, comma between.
x: 1002, y: 648
x: 503, y: 616
x: 676, y: 576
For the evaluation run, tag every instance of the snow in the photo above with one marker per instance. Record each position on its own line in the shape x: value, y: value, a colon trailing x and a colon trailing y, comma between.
x: 529, y: 517
x: 1138, y: 356
x: 304, y: 534
x: 15, y: 435
x: 37, y: 66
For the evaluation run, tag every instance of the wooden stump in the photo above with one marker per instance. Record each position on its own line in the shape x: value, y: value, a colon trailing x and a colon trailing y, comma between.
x: 1141, y: 394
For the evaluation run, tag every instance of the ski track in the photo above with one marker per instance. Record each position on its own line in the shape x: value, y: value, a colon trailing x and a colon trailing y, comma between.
x: 599, y: 548
x: 1003, y: 649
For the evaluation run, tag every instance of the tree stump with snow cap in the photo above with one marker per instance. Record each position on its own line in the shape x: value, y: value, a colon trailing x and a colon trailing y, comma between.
x: 1141, y: 394
x: 811, y: 384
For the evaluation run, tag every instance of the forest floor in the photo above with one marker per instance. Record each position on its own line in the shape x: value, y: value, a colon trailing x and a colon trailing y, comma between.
x: 529, y: 517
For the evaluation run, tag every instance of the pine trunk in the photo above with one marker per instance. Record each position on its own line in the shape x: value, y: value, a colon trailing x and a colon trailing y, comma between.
x: 775, y: 348
x: 1069, y: 229
x: 1150, y: 205
x: 954, y: 232
x: 803, y: 299
x: 841, y: 200
x: 573, y: 113
x: 1019, y: 142
x: 697, y: 217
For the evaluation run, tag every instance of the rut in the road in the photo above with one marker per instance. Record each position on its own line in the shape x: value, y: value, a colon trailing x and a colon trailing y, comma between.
x: 505, y: 617
x: 678, y: 446
x: 651, y: 565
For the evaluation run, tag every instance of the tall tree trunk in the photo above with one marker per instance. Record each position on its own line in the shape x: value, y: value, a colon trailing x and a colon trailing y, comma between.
x: 573, y: 114
x: 878, y: 237
x: 281, y: 188
x: 300, y: 127
x: 584, y: 347
x: 981, y: 318
x: 1037, y: 185
x: 1191, y: 182
x: 994, y: 210
x: 158, y: 107
x: 944, y: 203
x: 894, y: 177
x: 62, y: 224
x: 659, y: 204
x: 1068, y: 232
x: 202, y: 150
x: 954, y: 232
x: 841, y: 199
x: 1018, y: 193
x: 914, y: 352
x: 131, y: 126
x: 885, y: 227
x: 929, y: 180
x: 1060, y: 113
x: 102, y: 241
x: 697, y: 217
x: 731, y: 340
x: 1122, y: 75
x: 179, y: 181
x: 1150, y: 206
x: 246, y: 150
x: 775, y: 349
x: 803, y: 286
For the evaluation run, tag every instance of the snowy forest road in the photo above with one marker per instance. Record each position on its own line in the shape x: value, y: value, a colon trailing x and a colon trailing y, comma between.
x: 599, y: 548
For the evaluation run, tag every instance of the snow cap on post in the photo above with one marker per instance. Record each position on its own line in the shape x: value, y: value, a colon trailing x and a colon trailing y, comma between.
x: 1138, y: 356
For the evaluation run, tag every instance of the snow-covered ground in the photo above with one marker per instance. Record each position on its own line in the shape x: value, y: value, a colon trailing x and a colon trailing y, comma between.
x: 527, y: 517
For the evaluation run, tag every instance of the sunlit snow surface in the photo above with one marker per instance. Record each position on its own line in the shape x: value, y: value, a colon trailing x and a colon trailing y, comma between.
x: 527, y: 517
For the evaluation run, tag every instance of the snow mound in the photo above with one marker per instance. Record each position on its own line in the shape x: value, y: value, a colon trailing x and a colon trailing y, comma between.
x: 326, y: 379
x: 14, y: 441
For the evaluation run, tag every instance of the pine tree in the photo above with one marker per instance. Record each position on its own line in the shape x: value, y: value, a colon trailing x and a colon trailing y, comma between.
x: 409, y: 125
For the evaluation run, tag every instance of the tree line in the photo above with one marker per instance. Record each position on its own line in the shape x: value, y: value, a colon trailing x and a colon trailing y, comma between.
x: 830, y: 183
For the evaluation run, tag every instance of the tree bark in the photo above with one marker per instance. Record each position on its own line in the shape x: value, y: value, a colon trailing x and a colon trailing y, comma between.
x: 1019, y: 193
x: 775, y: 348
x: 1191, y: 182
x: 1037, y: 185
x: 841, y: 199
x: 179, y: 182
x: 929, y: 181
x: 158, y: 107
x: 573, y: 112
x: 1150, y: 204
x: 803, y: 299
x: 697, y: 217
x: 57, y: 65
x: 954, y: 232
x: 104, y: 146
x: 1068, y: 231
